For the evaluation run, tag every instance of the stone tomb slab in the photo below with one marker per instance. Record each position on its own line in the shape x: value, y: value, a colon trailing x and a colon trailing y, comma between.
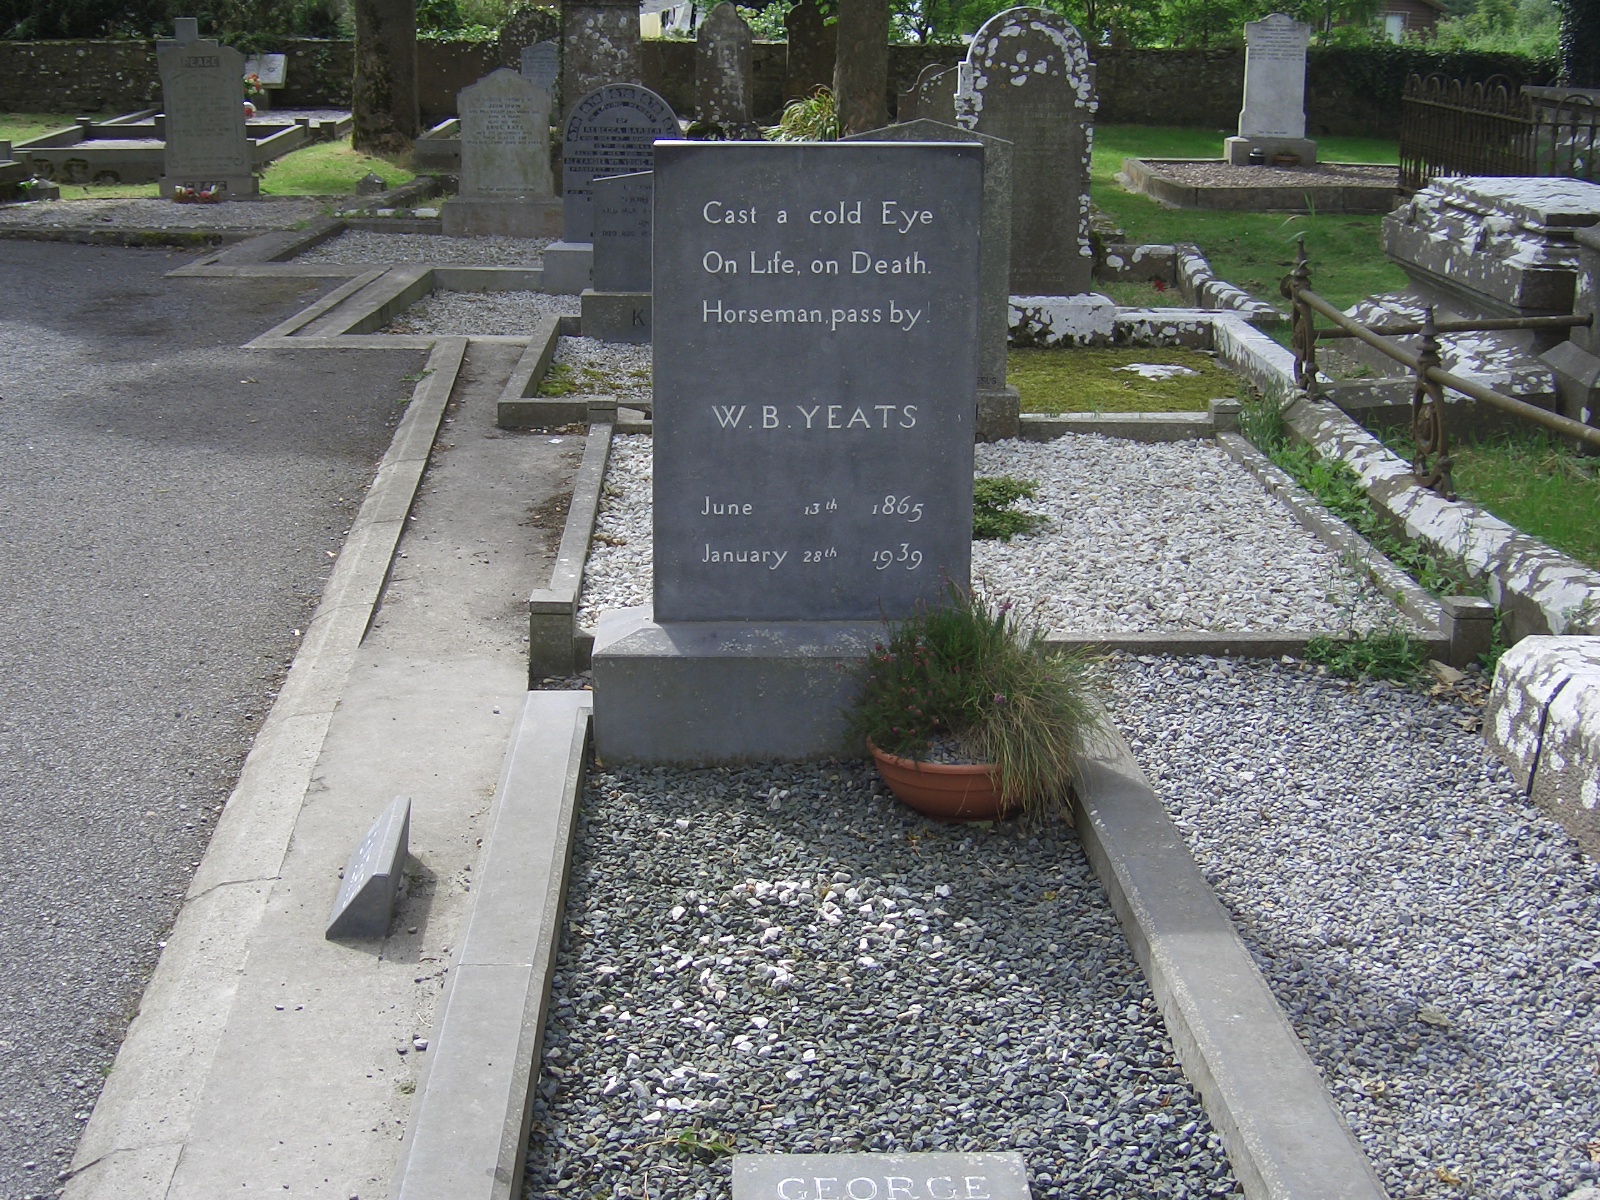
x: 815, y: 366
x: 880, y: 1177
x: 371, y: 881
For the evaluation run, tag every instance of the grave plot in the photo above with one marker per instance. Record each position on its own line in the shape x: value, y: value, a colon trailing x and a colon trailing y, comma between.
x: 480, y: 314
x: 377, y: 246
x: 781, y: 959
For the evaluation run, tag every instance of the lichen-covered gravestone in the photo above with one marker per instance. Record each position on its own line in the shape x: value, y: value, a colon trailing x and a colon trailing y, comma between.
x: 1028, y: 79
x: 723, y: 72
x: 506, y: 184
x: 600, y: 44
x: 541, y: 64
x: 809, y: 54
x: 202, y: 94
x: 936, y: 95
x: 1273, y: 119
x: 815, y: 365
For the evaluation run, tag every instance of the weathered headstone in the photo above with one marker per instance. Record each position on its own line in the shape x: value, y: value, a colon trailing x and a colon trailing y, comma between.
x: 202, y: 92
x: 815, y: 363
x: 861, y: 65
x: 1273, y: 119
x: 936, y: 95
x: 906, y: 103
x: 998, y: 406
x: 809, y: 52
x: 611, y: 131
x: 271, y: 69
x: 506, y: 185
x: 541, y: 64
x: 617, y: 308
x: 365, y: 902
x: 724, y: 79
x: 600, y: 44
x: 880, y: 1177
x: 1028, y: 79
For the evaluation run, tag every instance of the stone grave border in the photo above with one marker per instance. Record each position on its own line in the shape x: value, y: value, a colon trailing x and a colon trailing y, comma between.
x: 1145, y: 175
x: 1283, y: 1132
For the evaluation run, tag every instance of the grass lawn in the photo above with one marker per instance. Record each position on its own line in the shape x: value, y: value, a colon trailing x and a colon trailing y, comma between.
x: 1252, y: 250
x: 1100, y: 381
x: 21, y: 127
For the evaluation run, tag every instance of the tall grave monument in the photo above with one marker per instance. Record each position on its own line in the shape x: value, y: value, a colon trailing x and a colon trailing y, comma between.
x: 611, y: 132
x: 724, y: 74
x: 1028, y: 79
x: 600, y: 44
x: 506, y: 184
x: 815, y: 363
x: 1273, y: 119
x: 202, y: 93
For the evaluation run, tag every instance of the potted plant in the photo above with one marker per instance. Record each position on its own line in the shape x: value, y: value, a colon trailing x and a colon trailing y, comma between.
x: 970, y: 715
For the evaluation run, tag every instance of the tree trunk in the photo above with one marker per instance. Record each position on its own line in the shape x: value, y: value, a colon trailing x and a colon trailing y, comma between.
x: 384, y: 97
x: 1580, y: 43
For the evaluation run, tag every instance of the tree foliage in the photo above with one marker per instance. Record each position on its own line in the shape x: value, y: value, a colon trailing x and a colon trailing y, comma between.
x: 239, y: 23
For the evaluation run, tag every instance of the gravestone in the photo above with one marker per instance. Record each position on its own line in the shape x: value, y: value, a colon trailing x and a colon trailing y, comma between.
x: 611, y: 132
x: 365, y: 902
x: 880, y: 1177
x: 202, y: 93
x: 723, y: 72
x: 998, y: 406
x: 600, y: 44
x: 506, y: 185
x: 861, y: 65
x: 907, y: 103
x: 541, y: 64
x: 815, y: 363
x: 1027, y: 78
x: 617, y: 308
x: 809, y: 53
x: 936, y: 95
x: 271, y: 69
x: 1273, y: 119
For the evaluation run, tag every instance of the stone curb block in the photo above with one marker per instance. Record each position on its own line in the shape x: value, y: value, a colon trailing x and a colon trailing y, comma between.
x: 554, y: 645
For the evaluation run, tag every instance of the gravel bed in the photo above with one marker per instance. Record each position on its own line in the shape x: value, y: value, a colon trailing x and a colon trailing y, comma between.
x: 611, y: 368
x: 780, y: 960
x: 480, y: 314
x: 1430, y: 934
x: 1225, y: 175
x: 1140, y: 538
x: 363, y: 246
x: 150, y: 213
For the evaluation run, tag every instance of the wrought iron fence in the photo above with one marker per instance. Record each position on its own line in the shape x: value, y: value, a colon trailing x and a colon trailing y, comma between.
x: 1448, y: 127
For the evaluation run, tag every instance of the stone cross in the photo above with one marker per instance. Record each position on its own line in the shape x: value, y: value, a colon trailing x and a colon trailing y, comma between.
x: 1028, y: 79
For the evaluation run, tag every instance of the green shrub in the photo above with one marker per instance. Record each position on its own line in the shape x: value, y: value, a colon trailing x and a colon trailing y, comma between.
x: 993, y: 518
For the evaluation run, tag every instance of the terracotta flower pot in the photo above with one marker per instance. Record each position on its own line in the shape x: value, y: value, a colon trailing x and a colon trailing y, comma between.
x: 944, y: 791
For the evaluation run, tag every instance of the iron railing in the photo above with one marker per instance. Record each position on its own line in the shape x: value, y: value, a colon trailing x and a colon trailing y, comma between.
x: 1431, y: 463
x: 1448, y: 127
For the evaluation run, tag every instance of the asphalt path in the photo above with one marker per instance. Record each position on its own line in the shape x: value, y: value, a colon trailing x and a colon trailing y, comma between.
x: 170, y: 505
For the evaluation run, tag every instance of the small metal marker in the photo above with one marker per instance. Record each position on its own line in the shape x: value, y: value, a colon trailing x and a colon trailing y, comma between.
x: 371, y: 877
x: 880, y: 1177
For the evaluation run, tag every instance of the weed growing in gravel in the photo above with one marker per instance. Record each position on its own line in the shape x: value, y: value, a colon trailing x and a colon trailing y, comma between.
x: 1389, y: 653
x: 993, y: 518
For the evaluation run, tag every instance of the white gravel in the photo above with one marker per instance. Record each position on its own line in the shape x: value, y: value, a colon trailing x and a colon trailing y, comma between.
x: 1431, y: 936
x: 480, y: 314
x: 610, y: 368
x: 1141, y: 538
x: 362, y: 246
x: 269, y: 212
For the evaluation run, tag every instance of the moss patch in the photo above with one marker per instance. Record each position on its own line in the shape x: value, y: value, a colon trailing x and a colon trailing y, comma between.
x: 1076, y: 381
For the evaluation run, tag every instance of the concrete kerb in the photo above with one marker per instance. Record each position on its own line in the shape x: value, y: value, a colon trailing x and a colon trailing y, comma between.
x: 556, y: 646
x: 1284, y: 1136
x: 137, y: 1132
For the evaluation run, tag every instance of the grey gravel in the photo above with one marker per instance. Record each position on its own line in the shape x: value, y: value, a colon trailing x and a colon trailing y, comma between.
x: 363, y: 246
x: 1430, y: 934
x: 149, y: 213
x: 609, y: 368
x: 1139, y: 538
x: 780, y: 959
x: 480, y: 314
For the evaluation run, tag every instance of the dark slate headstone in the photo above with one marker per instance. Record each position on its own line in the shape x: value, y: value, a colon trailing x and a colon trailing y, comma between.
x: 907, y: 102
x: 622, y: 220
x: 815, y: 364
x: 600, y: 44
x: 610, y: 132
x: 880, y: 1177
x: 809, y: 52
x: 997, y: 405
x: 541, y: 63
x: 365, y: 902
x: 1029, y: 80
x: 724, y: 75
x: 202, y: 92
x: 505, y: 138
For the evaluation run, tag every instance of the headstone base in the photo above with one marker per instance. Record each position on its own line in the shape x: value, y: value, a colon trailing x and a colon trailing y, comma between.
x: 568, y: 267
x: 1577, y: 375
x: 999, y: 414
x: 480, y: 216
x: 232, y: 187
x: 616, y: 316
x: 1236, y: 150
x: 701, y: 692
